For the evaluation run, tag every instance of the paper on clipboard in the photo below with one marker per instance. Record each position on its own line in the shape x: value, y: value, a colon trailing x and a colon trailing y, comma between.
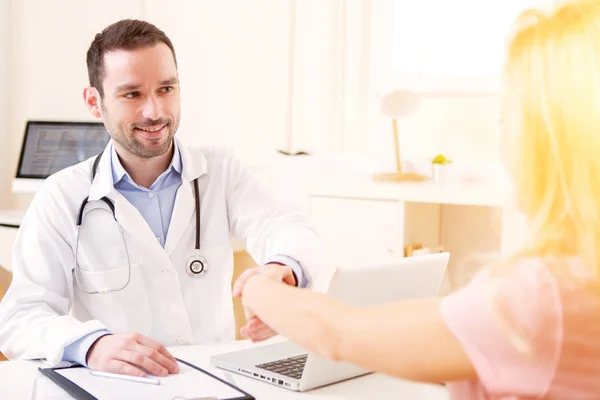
x: 45, y: 389
x: 188, y: 383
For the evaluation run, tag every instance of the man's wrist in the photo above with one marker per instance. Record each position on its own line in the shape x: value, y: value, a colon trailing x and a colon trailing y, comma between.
x: 281, y: 265
x: 294, y: 265
x: 87, y: 355
x: 77, y: 351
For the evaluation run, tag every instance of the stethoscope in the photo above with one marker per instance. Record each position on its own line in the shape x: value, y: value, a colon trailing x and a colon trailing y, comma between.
x: 196, y: 266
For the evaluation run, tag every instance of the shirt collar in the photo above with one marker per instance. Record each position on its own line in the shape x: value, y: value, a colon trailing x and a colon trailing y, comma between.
x: 119, y: 172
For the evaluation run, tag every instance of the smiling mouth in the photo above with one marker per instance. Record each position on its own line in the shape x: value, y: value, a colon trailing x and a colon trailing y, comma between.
x: 152, y: 132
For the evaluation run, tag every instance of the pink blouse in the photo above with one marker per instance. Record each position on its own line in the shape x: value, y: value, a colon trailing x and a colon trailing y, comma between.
x: 531, y: 331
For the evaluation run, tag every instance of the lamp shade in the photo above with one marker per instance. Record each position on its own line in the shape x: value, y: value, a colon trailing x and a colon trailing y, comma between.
x: 399, y: 103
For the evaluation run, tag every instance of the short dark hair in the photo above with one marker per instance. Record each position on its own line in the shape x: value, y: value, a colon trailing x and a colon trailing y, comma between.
x: 127, y: 34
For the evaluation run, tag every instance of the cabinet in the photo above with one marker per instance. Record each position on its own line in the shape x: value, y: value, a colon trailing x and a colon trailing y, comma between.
x: 359, y: 231
x: 368, y: 223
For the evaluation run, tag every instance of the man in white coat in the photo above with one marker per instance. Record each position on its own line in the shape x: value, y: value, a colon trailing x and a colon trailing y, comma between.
x: 109, y: 281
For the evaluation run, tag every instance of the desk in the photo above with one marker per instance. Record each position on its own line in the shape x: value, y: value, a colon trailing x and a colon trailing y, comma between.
x: 10, y: 220
x: 18, y: 378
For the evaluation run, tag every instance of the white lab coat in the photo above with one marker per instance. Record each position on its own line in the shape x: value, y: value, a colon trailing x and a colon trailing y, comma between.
x: 44, y: 310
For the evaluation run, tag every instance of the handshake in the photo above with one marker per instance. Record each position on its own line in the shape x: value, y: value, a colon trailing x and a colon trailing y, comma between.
x: 255, y: 329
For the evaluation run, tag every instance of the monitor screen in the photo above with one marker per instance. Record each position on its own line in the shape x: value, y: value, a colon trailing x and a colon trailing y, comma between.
x: 49, y: 147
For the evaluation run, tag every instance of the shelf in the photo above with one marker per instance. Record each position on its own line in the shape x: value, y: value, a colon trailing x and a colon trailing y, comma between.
x: 463, y: 194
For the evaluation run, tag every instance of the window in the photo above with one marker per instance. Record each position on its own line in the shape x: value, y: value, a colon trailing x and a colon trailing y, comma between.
x: 441, y: 45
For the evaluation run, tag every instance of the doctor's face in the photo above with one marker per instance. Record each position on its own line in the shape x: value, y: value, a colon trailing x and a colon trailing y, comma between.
x: 141, y: 104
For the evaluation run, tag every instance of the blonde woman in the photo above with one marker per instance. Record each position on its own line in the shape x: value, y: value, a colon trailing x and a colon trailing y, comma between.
x: 530, y: 326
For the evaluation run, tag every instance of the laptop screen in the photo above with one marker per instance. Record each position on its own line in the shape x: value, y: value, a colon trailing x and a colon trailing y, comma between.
x: 49, y: 147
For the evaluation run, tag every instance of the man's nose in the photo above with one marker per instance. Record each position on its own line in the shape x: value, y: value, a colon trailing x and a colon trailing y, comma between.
x: 152, y: 109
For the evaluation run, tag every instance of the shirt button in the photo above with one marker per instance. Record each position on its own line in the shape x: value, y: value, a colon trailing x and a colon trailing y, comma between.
x: 158, y: 238
x: 168, y: 270
x: 181, y: 341
x: 151, y: 195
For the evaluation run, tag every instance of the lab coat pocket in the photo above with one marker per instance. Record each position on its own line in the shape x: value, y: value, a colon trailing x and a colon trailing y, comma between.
x: 122, y: 304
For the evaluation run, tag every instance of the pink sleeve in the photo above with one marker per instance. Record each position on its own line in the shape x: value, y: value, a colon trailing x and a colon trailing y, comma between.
x: 509, y: 326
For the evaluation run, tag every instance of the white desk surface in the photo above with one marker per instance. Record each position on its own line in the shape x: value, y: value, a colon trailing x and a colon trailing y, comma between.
x: 19, y: 377
x: 10, y: 220
x: 11, y: 217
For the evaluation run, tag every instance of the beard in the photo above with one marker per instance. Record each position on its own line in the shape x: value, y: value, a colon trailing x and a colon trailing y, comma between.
x: 130, y: 139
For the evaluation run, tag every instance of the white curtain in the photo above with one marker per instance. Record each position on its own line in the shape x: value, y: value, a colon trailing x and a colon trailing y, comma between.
x: 328, y: 75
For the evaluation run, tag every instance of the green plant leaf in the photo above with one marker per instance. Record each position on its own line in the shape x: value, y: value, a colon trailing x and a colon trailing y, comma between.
x: 441, y: 159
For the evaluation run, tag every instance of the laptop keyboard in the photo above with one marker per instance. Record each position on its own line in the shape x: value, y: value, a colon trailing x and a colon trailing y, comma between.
x: 291, y: 367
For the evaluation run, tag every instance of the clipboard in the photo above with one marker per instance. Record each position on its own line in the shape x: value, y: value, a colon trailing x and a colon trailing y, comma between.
x: 81, y: 385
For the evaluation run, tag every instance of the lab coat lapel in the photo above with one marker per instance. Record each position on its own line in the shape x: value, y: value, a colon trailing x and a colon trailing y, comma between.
x: 126, y: 214
x: 102, y: 185
x: 183, y: 216
x: 194, y: 166
x: 134, y: 223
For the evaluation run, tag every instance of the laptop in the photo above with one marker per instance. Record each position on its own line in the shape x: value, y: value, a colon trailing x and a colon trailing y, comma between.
x: 49, y: 146
x: 288, y: 365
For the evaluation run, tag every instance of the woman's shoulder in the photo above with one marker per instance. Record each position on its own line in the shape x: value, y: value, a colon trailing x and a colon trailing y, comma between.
x: 508, y: 321
x: 536, y: 273
x: 541, y: 276
x: 522, y: 295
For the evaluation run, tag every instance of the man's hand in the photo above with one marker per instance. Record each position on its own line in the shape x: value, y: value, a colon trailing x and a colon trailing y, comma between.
x: 255, y: 329
x: 131, y: 354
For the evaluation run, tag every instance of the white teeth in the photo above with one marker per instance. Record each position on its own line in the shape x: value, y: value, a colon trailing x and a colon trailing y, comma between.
x: 151, y: 129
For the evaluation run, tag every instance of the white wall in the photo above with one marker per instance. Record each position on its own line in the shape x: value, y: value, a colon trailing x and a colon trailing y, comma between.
x: 232, y: 58
x: 4, y: 133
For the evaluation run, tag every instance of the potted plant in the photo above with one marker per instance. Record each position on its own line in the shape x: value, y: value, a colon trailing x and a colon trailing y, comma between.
x: 441, y: 168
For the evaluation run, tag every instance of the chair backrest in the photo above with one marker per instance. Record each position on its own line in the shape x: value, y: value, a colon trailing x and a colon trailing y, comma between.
x: 2, y: 291
x: 5, y: 279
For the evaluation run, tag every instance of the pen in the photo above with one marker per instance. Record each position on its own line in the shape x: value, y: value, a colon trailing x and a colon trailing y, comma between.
x: 195, y: 398
x: 126, y: 377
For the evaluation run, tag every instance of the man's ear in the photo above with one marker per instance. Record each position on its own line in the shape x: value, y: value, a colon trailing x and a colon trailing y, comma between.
x: 92, y: 100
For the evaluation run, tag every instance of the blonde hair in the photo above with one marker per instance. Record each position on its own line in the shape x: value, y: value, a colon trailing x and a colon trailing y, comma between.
x: 552, y: 77
x: 553, y: 71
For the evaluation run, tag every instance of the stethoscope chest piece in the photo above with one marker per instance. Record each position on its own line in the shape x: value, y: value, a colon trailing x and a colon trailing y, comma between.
x: 196, y: 266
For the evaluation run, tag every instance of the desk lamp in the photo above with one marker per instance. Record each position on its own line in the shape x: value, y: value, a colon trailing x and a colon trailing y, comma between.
x: 394, y: 105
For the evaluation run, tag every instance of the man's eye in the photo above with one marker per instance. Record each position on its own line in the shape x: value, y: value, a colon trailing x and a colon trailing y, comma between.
x: 131, y: 95
x: 167, y: 89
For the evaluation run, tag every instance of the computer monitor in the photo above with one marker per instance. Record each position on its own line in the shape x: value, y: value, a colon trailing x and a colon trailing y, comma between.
x: 50, y: 146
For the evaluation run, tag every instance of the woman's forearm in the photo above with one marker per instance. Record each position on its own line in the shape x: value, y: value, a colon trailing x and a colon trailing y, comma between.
x: 310, y: 319
x: 407, y: 339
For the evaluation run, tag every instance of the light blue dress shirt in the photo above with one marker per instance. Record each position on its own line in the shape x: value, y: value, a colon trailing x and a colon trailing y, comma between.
x: 156, y: 206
